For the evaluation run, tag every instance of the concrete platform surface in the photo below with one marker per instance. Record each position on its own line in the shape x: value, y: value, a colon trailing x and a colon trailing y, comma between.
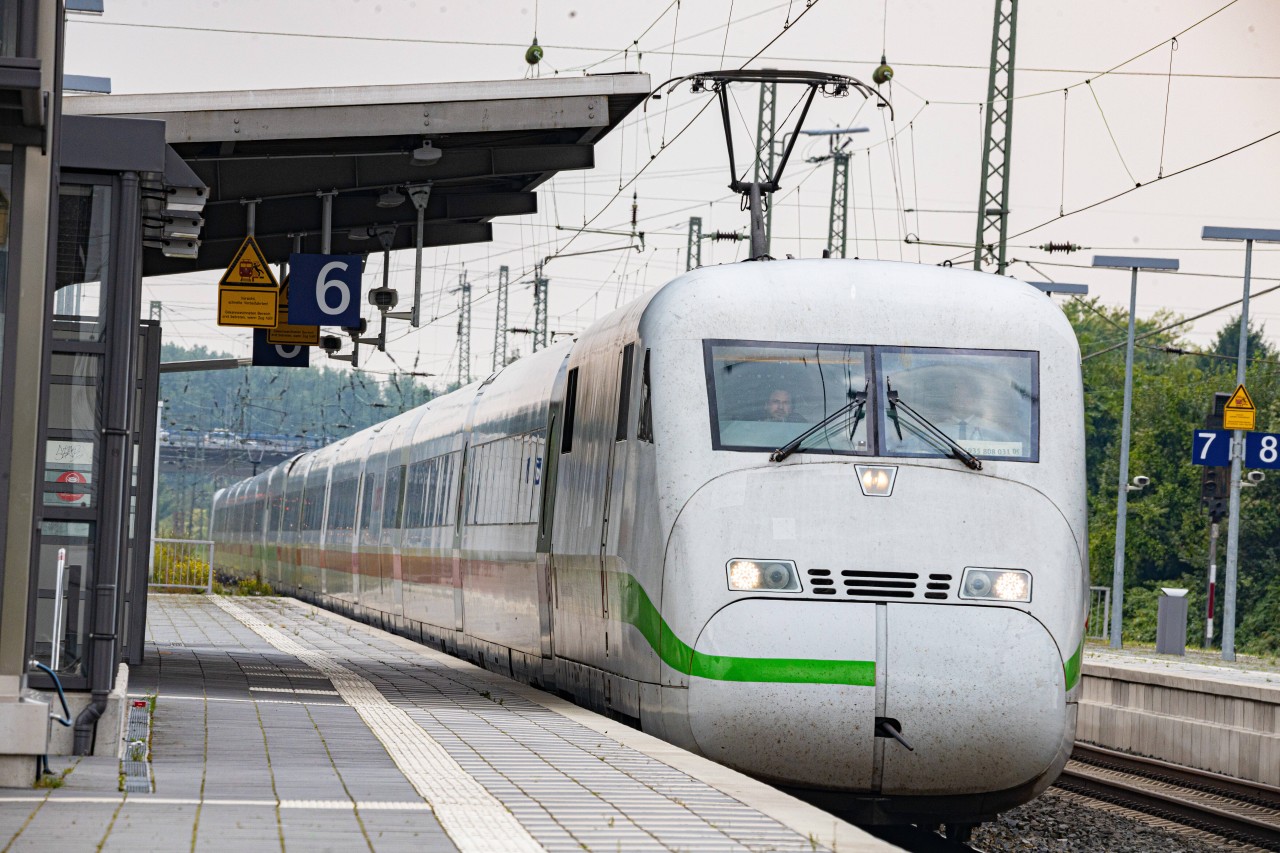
x: 278, y: 726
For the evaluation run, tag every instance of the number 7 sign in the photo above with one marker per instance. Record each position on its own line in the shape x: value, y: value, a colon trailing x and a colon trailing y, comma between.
x: 324, y: 290
x: 1211, y: 447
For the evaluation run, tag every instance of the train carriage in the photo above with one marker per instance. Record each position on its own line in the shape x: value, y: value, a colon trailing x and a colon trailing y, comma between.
x: 821, y: 521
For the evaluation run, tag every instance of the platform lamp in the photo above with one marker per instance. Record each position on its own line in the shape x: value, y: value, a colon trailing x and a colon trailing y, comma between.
x: 1122, y: 499
x: 1249, y: 236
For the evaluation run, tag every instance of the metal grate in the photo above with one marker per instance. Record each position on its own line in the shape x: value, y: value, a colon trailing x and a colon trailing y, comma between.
x: 136, y: 766
x: 888, y: 586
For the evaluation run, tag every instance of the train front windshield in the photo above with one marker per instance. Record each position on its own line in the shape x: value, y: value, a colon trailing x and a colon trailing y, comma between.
x: 883, y: 401
x: 765, y: 394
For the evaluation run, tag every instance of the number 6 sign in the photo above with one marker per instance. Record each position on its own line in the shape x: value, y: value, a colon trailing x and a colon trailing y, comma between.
x: 324, y: 290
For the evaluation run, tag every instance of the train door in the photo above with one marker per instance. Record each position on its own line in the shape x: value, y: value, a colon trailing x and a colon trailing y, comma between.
x: 548, y: 465
x: 389, y: 550
x: 613, y: 505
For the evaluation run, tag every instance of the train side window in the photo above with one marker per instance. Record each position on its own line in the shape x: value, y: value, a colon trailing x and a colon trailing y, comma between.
x: 432, y: 488
x: 367, y: 501
x: 452, y: 462
x: 415, y: 495
x: 570, y: 409
x: 395, y: 497
x: 624, y: 393
x: 644, y: 423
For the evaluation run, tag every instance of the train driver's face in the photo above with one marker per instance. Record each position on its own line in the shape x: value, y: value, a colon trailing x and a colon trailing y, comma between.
x: 778, y: 406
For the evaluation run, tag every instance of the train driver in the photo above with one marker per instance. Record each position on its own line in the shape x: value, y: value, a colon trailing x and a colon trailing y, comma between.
x: 777, y: 407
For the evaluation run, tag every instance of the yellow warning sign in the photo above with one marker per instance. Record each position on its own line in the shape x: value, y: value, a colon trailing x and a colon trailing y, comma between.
x: 1239, y: 412
x: 249, y: 268
x: 284, y: 333
x: 248, y: 306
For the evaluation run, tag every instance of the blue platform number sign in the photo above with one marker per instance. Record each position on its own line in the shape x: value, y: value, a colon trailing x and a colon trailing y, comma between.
x: 267, y: 354
x: 324, y: 290
x: 1262, y: 450
x: 1211, y: 447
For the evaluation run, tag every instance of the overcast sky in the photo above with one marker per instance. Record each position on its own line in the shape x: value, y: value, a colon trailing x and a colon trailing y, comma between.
x: 1106, y: 134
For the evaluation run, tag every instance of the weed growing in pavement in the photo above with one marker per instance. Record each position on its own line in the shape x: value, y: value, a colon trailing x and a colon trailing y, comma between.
x: 55, y: 780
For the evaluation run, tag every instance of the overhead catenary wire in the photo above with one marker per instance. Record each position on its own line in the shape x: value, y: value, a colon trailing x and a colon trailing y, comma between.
x: 1168, y: 89
x: 1135, y: 188
x: 616, y: 52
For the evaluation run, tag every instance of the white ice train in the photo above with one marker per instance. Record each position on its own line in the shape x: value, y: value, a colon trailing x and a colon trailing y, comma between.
x: 887, y: 614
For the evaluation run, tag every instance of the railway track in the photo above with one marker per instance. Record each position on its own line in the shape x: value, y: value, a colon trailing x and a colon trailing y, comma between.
x: 1221, y: 805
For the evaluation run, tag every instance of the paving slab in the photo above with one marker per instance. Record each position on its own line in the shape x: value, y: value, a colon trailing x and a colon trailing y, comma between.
x: 279, y: 726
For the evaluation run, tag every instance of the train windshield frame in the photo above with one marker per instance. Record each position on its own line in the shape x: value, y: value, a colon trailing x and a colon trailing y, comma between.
x: 986, y: 400
x: 762, y: 394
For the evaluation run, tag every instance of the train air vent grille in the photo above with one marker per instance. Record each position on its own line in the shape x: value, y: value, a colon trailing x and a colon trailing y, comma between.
x: 821, y: 583
x: 938, y: 587
x: 885, y: 586
x: 892, y: 585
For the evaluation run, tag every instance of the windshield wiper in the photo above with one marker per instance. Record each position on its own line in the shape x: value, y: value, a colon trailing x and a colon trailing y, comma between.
x: 857, y: 402
x: 931, y: 429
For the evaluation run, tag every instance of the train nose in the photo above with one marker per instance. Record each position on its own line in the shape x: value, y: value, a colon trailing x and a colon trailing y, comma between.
x: 978, y: 693
x: 790, y: 699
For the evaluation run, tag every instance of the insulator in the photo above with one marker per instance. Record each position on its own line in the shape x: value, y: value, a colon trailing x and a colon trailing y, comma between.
x: 634, y: 207
x: 883, y: 74
x: 726, y: 236
x: 534, y: 54
x: 1065, y: 248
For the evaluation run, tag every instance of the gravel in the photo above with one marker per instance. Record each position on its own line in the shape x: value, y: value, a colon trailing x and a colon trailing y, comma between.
x: 1057, y: 821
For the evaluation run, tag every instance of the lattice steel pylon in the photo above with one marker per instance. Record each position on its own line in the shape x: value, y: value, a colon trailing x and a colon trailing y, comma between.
x: 997, y: 139
x: 500, y: 325
x: 765, y: 149
x: 464, y: 331
x: 693, y: 254
x: 838, y: 227
x: 539, y: 310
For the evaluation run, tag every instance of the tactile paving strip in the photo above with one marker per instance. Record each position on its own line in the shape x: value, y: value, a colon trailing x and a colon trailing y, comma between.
x: 569, y: 785
x: 474, y: 819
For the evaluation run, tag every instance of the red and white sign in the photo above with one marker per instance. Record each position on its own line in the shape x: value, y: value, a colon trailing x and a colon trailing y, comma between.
x: 74, y: 478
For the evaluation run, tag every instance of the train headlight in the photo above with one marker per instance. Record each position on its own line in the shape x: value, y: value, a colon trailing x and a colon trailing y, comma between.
x: 996, y: 584
x: 763, y: 575
x: 876, y: 480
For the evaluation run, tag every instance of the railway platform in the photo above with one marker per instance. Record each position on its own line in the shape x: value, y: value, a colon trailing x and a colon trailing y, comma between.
x: 1194, y: 712
x: 267, y: 724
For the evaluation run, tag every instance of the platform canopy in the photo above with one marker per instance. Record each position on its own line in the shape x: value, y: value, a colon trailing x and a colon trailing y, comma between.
x: 496, y: 142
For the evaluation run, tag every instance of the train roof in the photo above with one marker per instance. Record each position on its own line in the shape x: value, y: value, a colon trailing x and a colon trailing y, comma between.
x: 852, y: 301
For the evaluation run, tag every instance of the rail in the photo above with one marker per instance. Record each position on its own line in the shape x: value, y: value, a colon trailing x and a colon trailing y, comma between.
x: 181, y: 564
x: 1232, y: 808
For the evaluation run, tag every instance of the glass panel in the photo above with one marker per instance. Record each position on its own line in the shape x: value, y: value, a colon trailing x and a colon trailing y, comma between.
x: 763, y: 395
x: 84, y: 254
x: 72, y: 606
x: 6, y: 193
x: 644, y: 424
x: 9, y: 28
x: 75, y: 364
x: 986, y: 401
x: 68, y: 473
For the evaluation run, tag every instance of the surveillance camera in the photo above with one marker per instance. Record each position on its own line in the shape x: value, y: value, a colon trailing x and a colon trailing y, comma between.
x: 1141, y: 482
x: 1255, y: 477
x: 384, y: 298
x: 357, y: 331
x: 331, y: 343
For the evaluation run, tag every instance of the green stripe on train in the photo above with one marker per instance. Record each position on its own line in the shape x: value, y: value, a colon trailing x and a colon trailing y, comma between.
x: 639, y: 611
x: 1071, y: 668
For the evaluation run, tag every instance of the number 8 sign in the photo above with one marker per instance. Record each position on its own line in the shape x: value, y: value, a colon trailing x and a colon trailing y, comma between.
x: 324, y: 290
x: 1262, y: 450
